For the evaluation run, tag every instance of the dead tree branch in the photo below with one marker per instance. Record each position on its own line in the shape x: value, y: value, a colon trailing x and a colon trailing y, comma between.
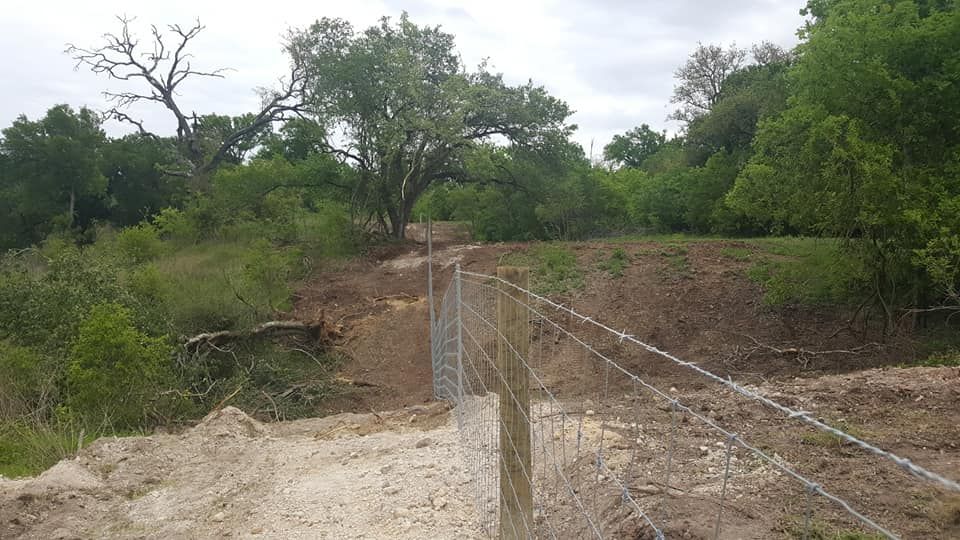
x: 320, y: 331
x: 803, y: 356
x: 162, y: 69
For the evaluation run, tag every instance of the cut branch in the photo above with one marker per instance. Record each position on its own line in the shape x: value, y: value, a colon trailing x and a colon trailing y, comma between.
x: 320, y: 331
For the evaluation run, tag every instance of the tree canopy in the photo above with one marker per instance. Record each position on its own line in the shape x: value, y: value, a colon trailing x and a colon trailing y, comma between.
x: 397, y: 104
x: 51, y: 165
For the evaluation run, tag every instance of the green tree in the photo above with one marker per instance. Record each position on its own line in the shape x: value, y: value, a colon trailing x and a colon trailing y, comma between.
x: 296, y: 140
x: 407, y: 111
x: 868, y: 148
x: 137, y: 188
x: 749, y: 95
x: 52, y: 164
x: 634, y: 147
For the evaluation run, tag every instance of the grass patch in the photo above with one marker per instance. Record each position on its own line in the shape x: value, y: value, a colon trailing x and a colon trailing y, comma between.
x: 675, y: 255
x: 806, y: 271
x: 553, y: 268
x: 29, y: 448
x: 223, y: 285
x: 736, y: 253
x: 948, y: 358
x: 819, y: 530
x: 825, y: 439
x: 674, y: 238
x: 616, y: 263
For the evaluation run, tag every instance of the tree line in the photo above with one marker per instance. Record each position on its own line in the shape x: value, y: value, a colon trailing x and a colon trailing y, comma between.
x: 851, y: 134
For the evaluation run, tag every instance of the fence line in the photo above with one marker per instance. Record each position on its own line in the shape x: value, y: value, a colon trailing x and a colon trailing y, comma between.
x: 577, y: 492
x: 804, y: 416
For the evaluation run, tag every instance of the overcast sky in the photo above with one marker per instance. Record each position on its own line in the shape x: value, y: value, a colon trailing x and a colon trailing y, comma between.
x: 611, y: 60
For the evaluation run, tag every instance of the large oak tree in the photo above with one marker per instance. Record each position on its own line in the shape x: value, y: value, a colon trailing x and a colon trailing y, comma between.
x: 398, y: 105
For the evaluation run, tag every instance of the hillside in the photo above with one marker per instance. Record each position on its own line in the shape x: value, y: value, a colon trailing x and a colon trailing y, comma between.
x: 388, y: 462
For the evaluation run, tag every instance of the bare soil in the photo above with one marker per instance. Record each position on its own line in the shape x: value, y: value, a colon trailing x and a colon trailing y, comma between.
x: 396, y: 475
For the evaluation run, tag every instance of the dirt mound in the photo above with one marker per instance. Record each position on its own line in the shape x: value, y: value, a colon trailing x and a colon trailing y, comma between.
x: 396, y: 474
x: 228, y: 422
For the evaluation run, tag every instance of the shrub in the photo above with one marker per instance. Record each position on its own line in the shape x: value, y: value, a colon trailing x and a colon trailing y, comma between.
x: 115, y: 371
x: 28, y: 382
x: 176, y: 226
x: 43, y: 308
x: 807, y: 271
x: 140, y: 243
x: 266, y: 273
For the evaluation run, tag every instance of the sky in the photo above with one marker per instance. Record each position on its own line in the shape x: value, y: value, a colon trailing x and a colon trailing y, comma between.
x: 612, y: 61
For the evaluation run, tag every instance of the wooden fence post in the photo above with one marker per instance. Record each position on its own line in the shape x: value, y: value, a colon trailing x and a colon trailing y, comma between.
x: 513, y: 321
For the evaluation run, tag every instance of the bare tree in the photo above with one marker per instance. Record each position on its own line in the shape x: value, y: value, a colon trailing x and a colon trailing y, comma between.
x: 701, y: 79
x: 768, y: 53
x: 162, y: 69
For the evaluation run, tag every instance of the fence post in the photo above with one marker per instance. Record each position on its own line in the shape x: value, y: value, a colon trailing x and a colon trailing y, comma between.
x: 459, y: 299
x: 435, y: 359
x: 513, y: 322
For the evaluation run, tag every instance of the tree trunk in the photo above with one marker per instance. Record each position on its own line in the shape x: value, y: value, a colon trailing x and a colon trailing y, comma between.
x: 73, y: 206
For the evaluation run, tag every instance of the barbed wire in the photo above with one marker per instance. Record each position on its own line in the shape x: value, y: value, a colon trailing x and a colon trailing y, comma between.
x: 470, y: 379
x: 729, y: 436
x: 791, y: 413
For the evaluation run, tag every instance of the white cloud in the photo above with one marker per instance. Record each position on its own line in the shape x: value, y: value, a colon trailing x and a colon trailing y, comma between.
x: 611, y: 60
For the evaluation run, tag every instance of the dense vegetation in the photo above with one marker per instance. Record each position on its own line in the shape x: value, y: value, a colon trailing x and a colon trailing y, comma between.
x: 117, y: 249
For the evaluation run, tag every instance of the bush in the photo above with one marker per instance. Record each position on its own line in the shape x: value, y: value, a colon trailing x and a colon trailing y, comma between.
x: 808, y: 271
x: 115, y: 371
x: 28, y: 382
x: 176, y: 226
x: 140, y: 243
x: 42, y: 307
x: 267, y: 273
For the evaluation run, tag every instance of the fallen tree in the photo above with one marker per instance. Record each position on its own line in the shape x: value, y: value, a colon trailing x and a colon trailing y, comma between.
x: 321, y: 332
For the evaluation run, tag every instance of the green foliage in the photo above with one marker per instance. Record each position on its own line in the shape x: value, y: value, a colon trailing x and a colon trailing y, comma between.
x: 553, y: 268
x: 137, y: 187
x: 140, y: 243
x: 115, y: 371
x: 409, y: 110
x: 868, y: 147
x: 177, y: 227
x: 28, y: 381
x: 41, y: 307
x: 52, y: 169
x: 634, y: 147
x: 807, y: 271
x: 616, y: 263
x: 30, y: 447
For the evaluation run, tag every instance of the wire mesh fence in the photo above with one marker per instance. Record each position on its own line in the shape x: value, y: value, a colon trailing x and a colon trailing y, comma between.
x: 572, y: 430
